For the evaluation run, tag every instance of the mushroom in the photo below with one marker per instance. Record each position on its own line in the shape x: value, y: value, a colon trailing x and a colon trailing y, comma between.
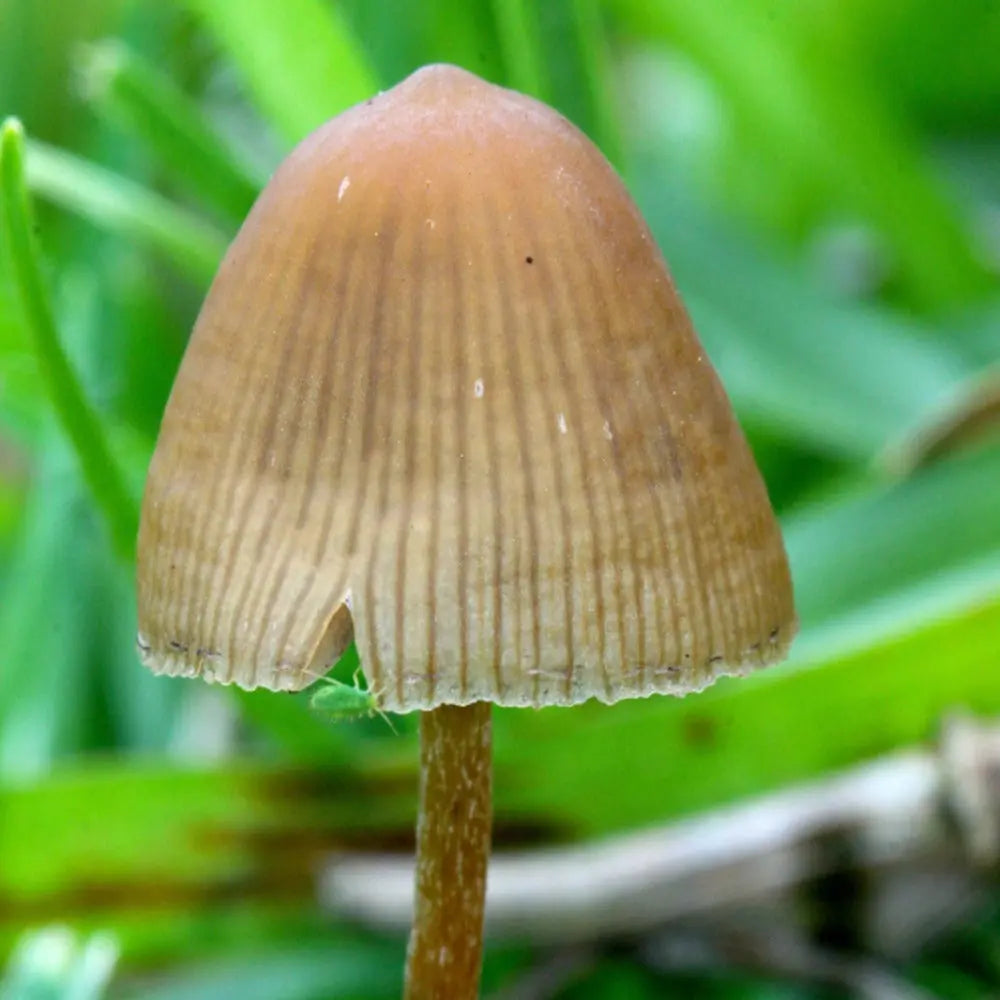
x: 443, y: 400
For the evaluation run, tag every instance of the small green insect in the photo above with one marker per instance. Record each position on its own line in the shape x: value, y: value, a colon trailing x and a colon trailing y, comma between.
x: 338, y: 701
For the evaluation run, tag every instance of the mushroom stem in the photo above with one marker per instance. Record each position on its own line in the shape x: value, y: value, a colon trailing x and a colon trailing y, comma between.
x: 453, y: 846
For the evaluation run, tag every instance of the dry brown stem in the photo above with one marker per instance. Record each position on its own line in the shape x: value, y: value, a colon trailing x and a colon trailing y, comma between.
x: 453, y: 846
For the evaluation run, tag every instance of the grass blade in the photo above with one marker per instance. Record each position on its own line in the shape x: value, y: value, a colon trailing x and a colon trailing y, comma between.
x: 78, y: 418
x: 606, y: 769
x: 656, y: 758
x: 125, y: 88
x: 596, y: 78
x: 797, y: 361
x: 120, y: 205
x: 45, y: 616
x: 517, y: 32
x: 816, y: 121
x: 297, y: 58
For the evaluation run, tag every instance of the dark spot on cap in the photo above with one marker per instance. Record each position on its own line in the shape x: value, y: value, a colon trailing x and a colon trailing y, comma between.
x: 529, y: 260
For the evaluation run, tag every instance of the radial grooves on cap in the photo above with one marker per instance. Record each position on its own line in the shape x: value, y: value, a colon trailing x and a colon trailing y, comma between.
x: 325, y: 440
x: 724, y: 617
x: 646, y: 401
x: 569, y: 363
x: 281, y: 444
x: 330, y: 348
x: 663, y: 405
x: 334, y: 449
x: 594, y: 278
x: 655, y: 406
x: 438, y: 337
x: 567, y: 269
x: 526, y: 464
x: 370, y: 464
x: 545, y: 330
x: 319, y: 354
x: 216, y: 509
x: 260, y: 412
x: 382, y: 391
x: 492, y: 334
x: 539, y: 336
x: 461, y: 335
x: 413, y: 384
x: 285, y: 412
x: 497, y: 404
x: 182, y: 576
x: 687, y: 545
x: 520, y: 473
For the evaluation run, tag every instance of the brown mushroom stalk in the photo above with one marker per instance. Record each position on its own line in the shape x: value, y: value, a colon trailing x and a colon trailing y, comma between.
x: 453, y: 848
x: 443, y: 400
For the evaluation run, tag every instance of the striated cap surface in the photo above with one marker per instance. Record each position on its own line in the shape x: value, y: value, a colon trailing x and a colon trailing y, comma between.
x: 443, y: 398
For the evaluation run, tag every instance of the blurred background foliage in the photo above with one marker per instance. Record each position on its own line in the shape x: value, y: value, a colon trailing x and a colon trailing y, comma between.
x: 824, y: 179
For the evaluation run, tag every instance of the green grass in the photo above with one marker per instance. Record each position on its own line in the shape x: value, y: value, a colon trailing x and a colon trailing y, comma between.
x: 754, y: 134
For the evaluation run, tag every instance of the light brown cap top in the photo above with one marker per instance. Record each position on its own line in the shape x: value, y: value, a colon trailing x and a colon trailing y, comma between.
x: 443, y: 395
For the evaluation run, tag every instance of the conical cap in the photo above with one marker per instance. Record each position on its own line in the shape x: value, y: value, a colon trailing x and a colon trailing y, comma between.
x: 443, y: 397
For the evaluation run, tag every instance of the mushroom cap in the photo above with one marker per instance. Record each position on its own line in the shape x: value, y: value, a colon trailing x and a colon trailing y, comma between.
x: 444, y: 399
